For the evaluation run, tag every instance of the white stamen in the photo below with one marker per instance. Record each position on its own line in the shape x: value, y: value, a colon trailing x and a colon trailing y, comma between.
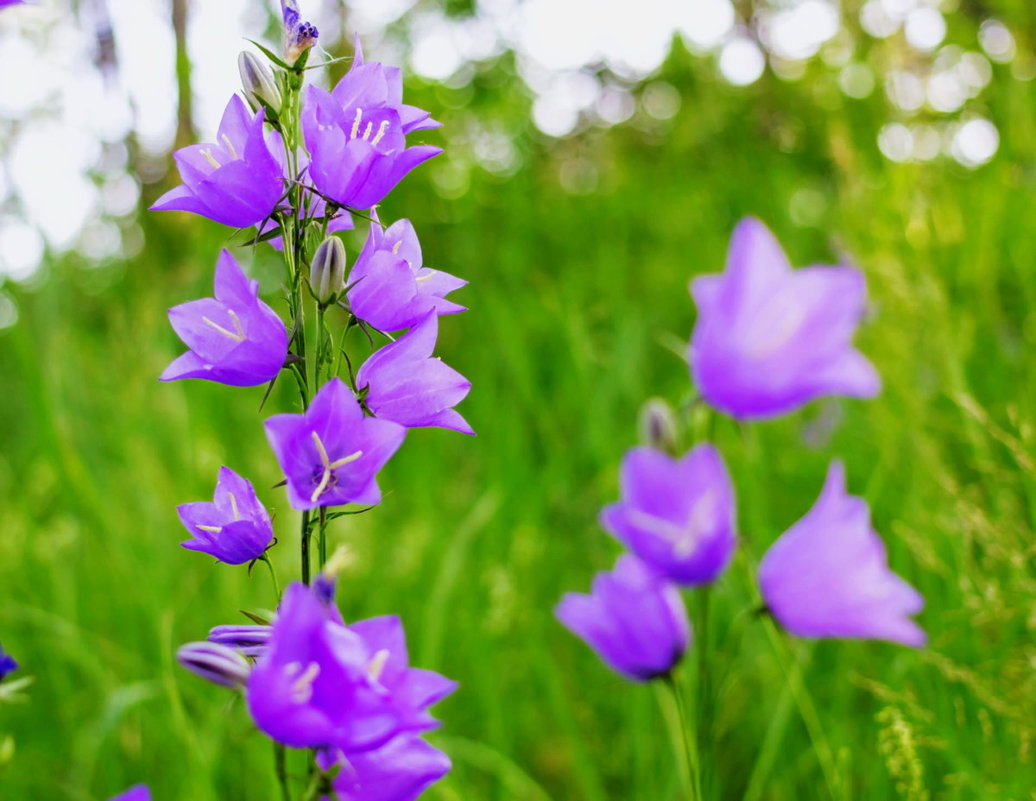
x: 238, y: 337
x: 352, y: 457
x: 210, y: 158
x: 396, y: 247
x: 302, y: 687
x: 325, y: 460
x: 367, y: 131
x: 213, y: 529
x: 377, y: 664
x: 230, y: 146
x: 356, y: 123
x: 233, y: 506
x: 381, y: 132
x: 426, y: 276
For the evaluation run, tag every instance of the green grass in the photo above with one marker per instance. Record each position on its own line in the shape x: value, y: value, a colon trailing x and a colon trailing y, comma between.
x: 574, y: 301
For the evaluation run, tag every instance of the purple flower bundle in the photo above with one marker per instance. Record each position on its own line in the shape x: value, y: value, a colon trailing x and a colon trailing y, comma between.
x: 296, y: 165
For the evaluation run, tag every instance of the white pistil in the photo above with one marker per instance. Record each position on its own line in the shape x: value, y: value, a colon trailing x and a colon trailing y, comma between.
x: 213, y: 529
x: 230, y: 146
x: 396, y: 247
x: 367, y: 131
x: 356, y: 123
x: 237, y: 337
x: 210, y: 158
x: 377, y: 664
x: 302, y: 687
x: 325, y: 460
x: 382, y: 128
x: 233, y: 506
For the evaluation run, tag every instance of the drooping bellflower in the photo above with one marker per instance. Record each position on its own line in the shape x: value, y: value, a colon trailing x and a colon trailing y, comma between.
x: 828, y: 575
x: 677, y: 515
x: 331, y: 454
x: 406, y: 385
x: 390, y: 286
x: 7, y: 664
x: 634, y: 619
x: 399, y: 771
x: 237, y: 180
x: 768, y: 338
x: 234, y: 527
x: 321, y: 684
x: 234, y: 338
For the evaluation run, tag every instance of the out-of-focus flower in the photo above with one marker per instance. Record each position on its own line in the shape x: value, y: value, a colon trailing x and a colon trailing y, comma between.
x: 138, y: 792
x: 407, y: 385
x: 390, y: 286
x: 234, y: 527
x: 330, y: 454
x: 398, y: 771
x: 768, y: 338
x: 7, y: 664
x: 677, y: 515
x: 321, y: 684
x: 215, y: 662
x: 234, y: 338
x: 4, y: 3
x: 247, y: 640
x: 299, y: 36
x: 828, y: 575
x: 634, y: 619
x: 236, y: 181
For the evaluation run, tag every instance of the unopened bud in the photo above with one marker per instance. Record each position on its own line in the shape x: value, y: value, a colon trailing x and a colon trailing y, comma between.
x: 216, y: 663
x: 658, y: 426
x: 327, y: 273
x: 246, y: 640
x: 258, y: 82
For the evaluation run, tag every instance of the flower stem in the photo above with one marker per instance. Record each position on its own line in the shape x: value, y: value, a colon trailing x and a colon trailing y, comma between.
x: 281, y: 768
x: 305, y: 547
x: 273, y: 577
x: 688, y: 736
x: 322, y: 538
x: 704, y: 689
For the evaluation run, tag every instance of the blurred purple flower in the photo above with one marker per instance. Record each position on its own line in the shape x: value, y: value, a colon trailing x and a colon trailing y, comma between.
x: 234, y: 338
x: 247, y: 640
x: 7, y: 664
x: 828, y: 575
x: 406, y: 385
x: 236, y: 181
x: 234, y: 527
x: 330, y: 454
x: 4, y: 3
x: 214, y: 662
x: 399, y: 771
x: 634, y: 619
x: 391, y: 288
x: 320, y: 684
x: 677, y: 515
x: 299, y: 36
x: 138, y: 792
x: 768, y: 338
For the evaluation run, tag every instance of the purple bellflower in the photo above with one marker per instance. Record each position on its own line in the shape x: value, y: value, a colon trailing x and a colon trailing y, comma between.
x: 234, y: 338
x: 768, y: 338
x: 299, y: 36
x: 330, y: 454
x: 321, y: 684
x: 236, y: 181
x: 399, y: 771
x: 634, y: 619
x: 391, y: 287
x: 249, y: 640
x: 138, y: 792
x: 234, y: 527
x: 828, y: 575
x: 677, y: 515
x: 4, y: 3
x: 406, y: 385
x: 7, y: 664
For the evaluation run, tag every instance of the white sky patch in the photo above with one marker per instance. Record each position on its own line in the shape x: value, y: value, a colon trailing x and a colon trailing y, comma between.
x: 925, y: 28
x: 741, y: 61
x: 798, y: 31
x: 975, y: 142
x: 706, y: 23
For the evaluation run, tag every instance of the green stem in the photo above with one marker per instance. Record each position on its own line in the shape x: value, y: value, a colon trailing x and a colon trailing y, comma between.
x: 305, y: 547
x: 690, y: 747
x: 322, y: 538
x: 273, y: 577
x: 281, y: 768
x: 705, y: 704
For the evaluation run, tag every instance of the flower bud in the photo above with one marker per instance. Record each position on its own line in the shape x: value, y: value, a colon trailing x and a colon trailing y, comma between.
x: 258, y: 82
x: 327, y: 273
x: 658, y: 426
x: 247, y: 640
x: 216, y: 663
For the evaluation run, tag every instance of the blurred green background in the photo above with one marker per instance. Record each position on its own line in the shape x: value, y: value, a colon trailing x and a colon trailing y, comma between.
x: 578, y: 252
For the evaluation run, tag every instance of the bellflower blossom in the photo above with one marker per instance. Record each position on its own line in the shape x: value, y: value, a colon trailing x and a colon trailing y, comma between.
x: 390, y: 286
x: 330, y: 454
x: 768, y: 338
x: 677, y: 515
x: 234, y: 338
x: 399, y: 771
x: 634, y: 619
x: 7, y: 664
x: 406, y: 385
x: 299, y: 36
x: 138, y: 792
x: 828, y: 575
x: 236, y: 181
x: 234, y: 527
x: 321, y: 684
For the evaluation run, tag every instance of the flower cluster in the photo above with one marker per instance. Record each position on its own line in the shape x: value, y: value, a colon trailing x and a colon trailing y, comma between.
x: 296, y: 162
x: 768, y: 339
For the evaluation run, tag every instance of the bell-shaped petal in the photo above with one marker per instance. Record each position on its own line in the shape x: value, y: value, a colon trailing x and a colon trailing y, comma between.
x: 407, y: 385
x: 235, y: 527
x: 770, y: 339
x: 677, y: 515
x: 401, y: 770
x: 331, y: 454
x: 236, y: 180
x: 828, y: 575
x: 234, y: 338
x: 634, y: 619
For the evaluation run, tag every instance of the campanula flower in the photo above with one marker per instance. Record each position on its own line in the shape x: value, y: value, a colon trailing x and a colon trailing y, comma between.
x: 406, y: 385
x: 299, y: 36
x: 234, y: 338
x: 634, y: 619
x: 768, y: 338
x: 357, y: 155
x: 214, y: 662
x: 138, y: 792
x: 7, y: 664
x: 330, y: 454
x: 321, y: 684
x: 249, y: 640
x: 828, y: 575
x: 399, y: 771
x: 390, y: 286
x: 237, y: 180
x: 677, y: 515
x: 234, y: 527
